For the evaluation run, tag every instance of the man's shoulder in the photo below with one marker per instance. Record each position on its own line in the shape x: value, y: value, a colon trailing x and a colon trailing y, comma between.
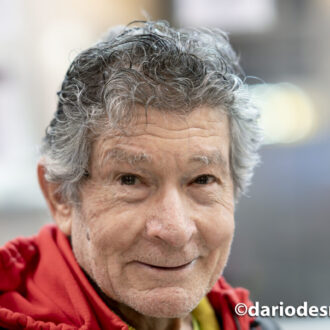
x: 21, y: 257
x: 32, y: 283
x: 16, y: 258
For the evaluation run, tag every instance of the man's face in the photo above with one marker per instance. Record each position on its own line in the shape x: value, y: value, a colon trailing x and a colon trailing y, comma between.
x: 156, y: 221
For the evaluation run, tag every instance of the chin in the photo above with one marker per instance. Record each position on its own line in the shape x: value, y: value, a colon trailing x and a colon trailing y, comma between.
x: 165, y: 302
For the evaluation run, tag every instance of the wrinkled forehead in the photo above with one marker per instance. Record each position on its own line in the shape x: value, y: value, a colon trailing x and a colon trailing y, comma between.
x: 204, y: 129
x: 143, y: 119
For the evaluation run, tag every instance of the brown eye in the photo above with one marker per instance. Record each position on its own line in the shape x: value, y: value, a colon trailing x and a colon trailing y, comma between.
x: 204, y: 179
x: 129, y: 179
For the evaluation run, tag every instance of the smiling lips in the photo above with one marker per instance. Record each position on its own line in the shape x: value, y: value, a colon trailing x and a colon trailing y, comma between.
x: 169, y: 268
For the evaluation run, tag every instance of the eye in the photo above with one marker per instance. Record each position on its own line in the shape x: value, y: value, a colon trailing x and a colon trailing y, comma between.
x: 204, y: 179
x: 129, y: 179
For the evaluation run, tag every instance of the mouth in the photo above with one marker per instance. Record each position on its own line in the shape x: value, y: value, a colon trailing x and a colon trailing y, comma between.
x: 169, y: 268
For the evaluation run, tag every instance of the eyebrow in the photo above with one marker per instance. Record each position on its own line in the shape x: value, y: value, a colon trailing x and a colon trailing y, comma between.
x: 212, y: 158
x: 124, y: 156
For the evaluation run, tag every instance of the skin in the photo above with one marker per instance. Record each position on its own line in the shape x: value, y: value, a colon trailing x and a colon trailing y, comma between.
x: 156, y: 219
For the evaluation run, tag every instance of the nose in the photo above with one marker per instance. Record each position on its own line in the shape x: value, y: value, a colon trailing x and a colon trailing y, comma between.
x: 169, y: 219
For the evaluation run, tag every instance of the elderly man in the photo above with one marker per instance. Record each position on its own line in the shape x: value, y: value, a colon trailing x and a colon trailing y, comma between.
x: 153, y: 140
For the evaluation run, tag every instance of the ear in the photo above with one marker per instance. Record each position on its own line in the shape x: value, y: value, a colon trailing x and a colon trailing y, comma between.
x: 60, y: 210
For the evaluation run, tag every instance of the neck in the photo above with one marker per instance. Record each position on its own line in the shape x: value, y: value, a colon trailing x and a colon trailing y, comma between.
x: 139, y: 321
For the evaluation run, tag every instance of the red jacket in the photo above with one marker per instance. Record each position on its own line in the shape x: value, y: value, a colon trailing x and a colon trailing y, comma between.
x: 43, y: 287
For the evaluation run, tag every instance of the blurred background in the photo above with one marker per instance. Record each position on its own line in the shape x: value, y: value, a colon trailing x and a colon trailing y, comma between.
x: 281, y: 248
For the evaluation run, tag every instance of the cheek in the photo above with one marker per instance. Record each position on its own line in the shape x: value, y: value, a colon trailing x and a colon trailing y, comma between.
x: 217, y: 228
x: 109, y: 236
x: 80, y: 241
x: 218, y: 237
x: 112, y: 228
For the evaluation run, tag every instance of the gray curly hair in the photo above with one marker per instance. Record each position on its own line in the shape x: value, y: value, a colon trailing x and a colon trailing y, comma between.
x: 153, y: 65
